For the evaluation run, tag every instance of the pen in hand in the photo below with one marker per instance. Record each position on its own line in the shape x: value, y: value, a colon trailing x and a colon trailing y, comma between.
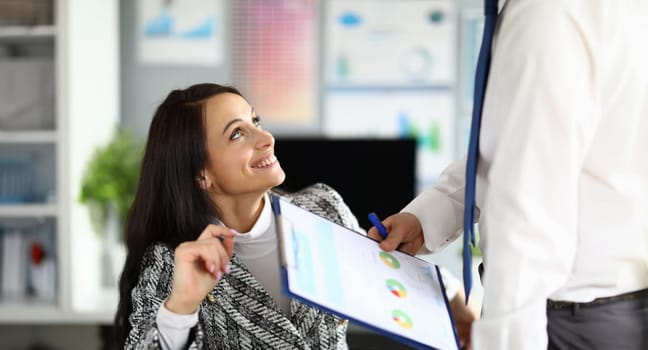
x: 378, y: 224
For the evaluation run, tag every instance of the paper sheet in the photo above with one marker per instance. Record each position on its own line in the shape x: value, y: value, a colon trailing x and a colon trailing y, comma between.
x: 346, y: 272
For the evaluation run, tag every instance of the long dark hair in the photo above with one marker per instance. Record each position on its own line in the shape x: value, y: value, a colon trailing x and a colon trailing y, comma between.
x: 169, y: 205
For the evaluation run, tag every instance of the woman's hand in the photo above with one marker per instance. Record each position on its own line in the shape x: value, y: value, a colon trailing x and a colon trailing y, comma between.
x: 199, y: 265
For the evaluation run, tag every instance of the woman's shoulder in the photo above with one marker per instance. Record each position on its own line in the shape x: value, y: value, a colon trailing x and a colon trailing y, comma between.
x: 317, y: 196
x: 159, y: 248
x: 323, y: 200
x: 157, y: 252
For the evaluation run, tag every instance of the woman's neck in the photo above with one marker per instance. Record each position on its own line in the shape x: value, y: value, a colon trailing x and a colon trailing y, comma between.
x: 240, y: 212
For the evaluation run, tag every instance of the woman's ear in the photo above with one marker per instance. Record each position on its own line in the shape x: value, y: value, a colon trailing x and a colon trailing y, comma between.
x: 203, y: 181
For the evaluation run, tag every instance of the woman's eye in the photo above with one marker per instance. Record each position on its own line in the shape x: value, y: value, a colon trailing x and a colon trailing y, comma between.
x: 235, y: 134
x: 256, y: 121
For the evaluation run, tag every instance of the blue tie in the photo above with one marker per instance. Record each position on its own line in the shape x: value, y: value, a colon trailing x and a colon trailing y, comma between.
x: 483, y: 65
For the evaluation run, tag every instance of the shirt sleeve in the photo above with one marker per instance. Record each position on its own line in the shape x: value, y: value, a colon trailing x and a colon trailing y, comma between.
x: 539, y: 117
x: 174, y: 328
x: 440, y: 208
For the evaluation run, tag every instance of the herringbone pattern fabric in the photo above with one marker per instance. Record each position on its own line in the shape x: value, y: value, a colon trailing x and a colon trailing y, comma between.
x: 244, y: 316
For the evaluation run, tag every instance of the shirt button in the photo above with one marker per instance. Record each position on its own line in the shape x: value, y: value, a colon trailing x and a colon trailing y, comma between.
x: 211, y: 298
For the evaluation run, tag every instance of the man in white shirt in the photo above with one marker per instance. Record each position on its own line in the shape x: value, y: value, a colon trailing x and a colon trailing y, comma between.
x: 562, y: 180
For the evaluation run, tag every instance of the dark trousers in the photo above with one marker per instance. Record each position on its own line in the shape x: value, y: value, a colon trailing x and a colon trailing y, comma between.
x: 614, y: 323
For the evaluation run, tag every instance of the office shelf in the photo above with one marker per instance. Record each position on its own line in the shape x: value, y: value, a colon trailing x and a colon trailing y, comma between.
x: 86, y: 113
x: 28, y: 210
x: 18, y: 34
x: 28, y: 137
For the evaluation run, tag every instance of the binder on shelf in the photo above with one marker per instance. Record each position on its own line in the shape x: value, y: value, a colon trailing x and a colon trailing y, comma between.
x: 346, y: 273
x: 17, y: 181
x: 28, y: 264
x: 41, y: 263
x: 43, y: 279
x: 14, y: 267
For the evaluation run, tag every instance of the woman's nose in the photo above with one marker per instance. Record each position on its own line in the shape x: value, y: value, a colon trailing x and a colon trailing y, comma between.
x: 264, y: 139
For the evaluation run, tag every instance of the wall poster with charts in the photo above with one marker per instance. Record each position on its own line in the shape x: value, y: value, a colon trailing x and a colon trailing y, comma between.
x: 180, y: 32
x: 385, y: 76
x: 274, y: 61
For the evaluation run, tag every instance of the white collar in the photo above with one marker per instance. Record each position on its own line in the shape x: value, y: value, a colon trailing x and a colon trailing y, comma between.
x: 261, y: 225
x: 262, y: 237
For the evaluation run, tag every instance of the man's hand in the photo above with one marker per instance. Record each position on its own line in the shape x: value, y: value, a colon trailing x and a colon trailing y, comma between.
x: 405, y: 233
x: 463, y: 315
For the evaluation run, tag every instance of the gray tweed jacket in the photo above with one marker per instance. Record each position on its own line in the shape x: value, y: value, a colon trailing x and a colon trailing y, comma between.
x: 239, y: 313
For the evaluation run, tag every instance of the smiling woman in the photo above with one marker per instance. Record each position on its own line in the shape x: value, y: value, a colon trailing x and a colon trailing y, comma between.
x: 202, y: 267
x: 240, y: 154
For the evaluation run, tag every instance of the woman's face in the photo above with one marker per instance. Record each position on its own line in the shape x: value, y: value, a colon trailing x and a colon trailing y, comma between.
x: 240, y: 153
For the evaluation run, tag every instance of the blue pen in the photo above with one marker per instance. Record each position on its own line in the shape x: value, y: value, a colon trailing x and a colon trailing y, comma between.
x: 379, y: 226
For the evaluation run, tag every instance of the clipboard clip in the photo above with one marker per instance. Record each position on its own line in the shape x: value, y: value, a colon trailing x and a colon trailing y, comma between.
x: 284, y: 227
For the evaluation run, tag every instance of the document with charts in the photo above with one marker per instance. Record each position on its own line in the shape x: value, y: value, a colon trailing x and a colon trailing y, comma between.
x: 346, y: 273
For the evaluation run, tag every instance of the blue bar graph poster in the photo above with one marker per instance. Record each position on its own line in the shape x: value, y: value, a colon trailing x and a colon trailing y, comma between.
x: 180, y: 32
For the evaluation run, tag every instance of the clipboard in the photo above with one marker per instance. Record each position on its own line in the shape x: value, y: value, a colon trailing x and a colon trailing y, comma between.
x: 344, y: 272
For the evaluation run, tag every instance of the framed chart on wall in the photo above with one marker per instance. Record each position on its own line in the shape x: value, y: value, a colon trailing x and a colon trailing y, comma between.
x: 180, y: 32
x: 390, y: 77
x: 426, y: 115
x: 275, y: 45
x: 390, y: 43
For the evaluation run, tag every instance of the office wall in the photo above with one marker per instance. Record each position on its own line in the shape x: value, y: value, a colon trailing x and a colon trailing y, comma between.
x: 141, y: 88
x: 144, y: 86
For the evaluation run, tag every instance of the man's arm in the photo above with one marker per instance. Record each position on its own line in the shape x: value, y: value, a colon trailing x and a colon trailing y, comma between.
x: 439, y: 209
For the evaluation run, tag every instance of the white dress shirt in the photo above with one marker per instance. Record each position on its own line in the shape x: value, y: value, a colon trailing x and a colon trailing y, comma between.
x: 562, y: 181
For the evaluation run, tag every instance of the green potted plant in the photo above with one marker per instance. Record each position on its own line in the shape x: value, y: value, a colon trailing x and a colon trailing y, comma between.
x: 110, y: 179
x: 107, y: 189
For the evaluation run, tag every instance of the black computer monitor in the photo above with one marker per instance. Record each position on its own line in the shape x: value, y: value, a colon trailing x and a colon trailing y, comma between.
x: 372, y: 175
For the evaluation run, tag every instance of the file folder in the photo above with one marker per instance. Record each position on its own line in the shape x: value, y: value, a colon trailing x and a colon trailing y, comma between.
x: 344, y: 272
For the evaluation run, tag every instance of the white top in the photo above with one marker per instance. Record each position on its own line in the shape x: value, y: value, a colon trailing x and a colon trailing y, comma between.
x: 258, y: 251
x: 563, y: 170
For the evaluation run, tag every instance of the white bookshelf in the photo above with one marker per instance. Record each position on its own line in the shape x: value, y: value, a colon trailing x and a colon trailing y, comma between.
x: 86, y: 69
x: 41, y: 145
x: 30, y: 210
x: 28, y: 137
x: 27, y: 33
